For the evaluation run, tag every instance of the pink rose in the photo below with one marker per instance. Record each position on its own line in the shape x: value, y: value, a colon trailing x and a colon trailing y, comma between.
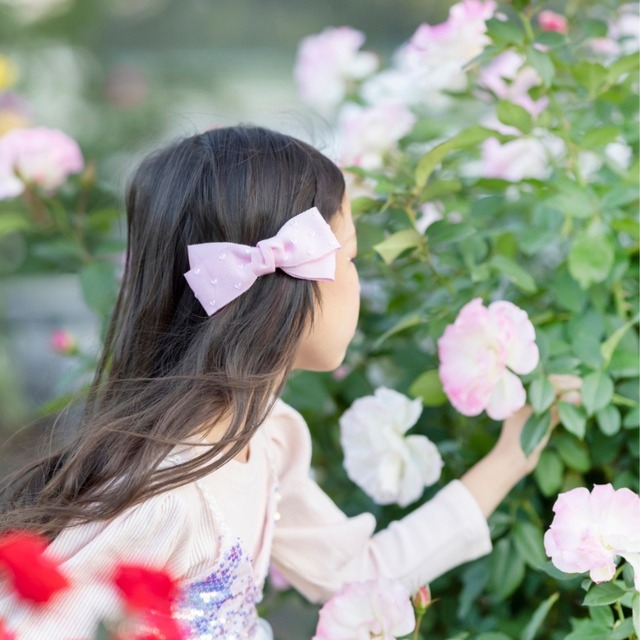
x: 63, y: 342
x: 378, y: 608
x: 478, y: 354
x: 327, y: 62
x: 552, y: 21
x: 367, y: 134
x: 40, y: 156
x: 590, y: 529
x: 508, y: 78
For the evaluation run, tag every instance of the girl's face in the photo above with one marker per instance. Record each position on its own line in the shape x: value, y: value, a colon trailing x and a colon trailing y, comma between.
x: 326, y: 341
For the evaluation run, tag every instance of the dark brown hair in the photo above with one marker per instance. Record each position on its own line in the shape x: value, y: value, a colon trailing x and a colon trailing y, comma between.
x: 168, y: 371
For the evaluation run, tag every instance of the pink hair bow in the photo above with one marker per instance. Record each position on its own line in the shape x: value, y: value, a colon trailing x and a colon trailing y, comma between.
x: 305, y: 247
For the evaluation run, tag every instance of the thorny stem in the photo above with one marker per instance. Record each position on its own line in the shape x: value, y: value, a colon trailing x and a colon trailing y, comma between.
x: 416, y: 631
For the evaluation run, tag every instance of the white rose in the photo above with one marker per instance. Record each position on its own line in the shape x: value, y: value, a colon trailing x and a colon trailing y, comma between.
x: 387, y: 465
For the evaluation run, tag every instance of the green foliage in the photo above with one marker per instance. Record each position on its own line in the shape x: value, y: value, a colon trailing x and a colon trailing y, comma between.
x: 565, y: 249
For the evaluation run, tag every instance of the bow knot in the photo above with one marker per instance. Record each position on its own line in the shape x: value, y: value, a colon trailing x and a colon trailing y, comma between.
x: 304, y: 248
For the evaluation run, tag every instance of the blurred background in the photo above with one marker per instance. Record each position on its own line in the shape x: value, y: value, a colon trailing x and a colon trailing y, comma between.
x: 121, y: 77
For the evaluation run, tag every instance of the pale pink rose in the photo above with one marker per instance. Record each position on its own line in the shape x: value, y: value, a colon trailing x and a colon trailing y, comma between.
x: 515, y: 160
x: 481, y: 352
x: 552, y: 21
x: 389, y: 466
x: 63, y: 342
x: 508, y: 78
x: 378, y: 609
x: 367, y: 134
x: 433, y: 59
x: 39, y: 156
x: 623, y: 36
x: 327, y: 63
x: 590, y: 529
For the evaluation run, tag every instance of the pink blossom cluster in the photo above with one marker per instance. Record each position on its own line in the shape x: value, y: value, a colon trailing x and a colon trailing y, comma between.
x: 591, y: 528
x: 378, y: 608
x: 480, y: 355
x: 38, y: 156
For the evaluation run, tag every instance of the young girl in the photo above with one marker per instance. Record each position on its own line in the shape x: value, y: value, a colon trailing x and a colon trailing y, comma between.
x: 239, y: 270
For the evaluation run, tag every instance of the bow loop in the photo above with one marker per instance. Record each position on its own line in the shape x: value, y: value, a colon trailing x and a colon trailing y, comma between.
x: 304, y: 248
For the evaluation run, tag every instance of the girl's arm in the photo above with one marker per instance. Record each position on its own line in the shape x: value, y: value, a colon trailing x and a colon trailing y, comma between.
x: 491, y: 479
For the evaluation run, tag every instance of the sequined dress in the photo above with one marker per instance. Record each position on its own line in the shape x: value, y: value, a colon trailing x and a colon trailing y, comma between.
x: 222, y: 604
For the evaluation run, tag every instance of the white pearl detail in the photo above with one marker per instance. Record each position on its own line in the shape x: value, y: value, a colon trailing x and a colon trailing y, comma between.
x: 214, y: 282
x: 237, y: 286
x: 197, y: 271
x: 212, y: 303
x: 222, y: 256
x: 247, y: 250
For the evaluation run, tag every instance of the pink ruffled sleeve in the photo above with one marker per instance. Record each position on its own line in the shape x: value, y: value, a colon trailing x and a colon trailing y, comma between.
x: 318, y: 548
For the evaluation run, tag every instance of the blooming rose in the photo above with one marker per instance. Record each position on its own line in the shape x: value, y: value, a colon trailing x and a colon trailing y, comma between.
x: 508, y: 78
x: 590, y: 529
x: 327, y: 62
x: 41, y: 156
x: 552, y: 21
x: 378, y: 457
x: 525, y: 157
x: 373, y: 609
x: 366, y: 134
x: 478, y: 354
x: 32, y: 574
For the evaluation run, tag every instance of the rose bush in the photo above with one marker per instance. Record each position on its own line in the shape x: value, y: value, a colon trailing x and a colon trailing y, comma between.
x: 517, y: 183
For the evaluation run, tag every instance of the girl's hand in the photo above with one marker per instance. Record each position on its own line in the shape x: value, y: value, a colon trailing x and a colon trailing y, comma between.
x: 508, y: 444
x: 491, y: 479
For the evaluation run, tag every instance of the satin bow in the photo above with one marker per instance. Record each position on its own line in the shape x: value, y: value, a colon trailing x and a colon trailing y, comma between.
x: 305, y: 247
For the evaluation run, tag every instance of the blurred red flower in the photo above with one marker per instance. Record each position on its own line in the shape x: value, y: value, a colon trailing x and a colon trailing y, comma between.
x: 33, y: 575
x: 144, y: 589
x: 5, y: 634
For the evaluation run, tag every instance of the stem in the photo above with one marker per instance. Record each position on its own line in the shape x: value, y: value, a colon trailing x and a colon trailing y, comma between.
x: 416, y: 631
x: 40, y: 214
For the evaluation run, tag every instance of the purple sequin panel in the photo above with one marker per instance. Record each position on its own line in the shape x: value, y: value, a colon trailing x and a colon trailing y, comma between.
x: 223, y: 605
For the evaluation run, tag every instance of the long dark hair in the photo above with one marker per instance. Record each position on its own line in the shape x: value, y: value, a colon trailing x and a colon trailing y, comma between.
x: 168, y: 371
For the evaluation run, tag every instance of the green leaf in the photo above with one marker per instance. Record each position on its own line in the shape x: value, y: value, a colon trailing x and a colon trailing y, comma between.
x: 442, y: 231
x: 600, y: 136
x: 623, y: 630
x: 507, y: 569
x: 573, y: 200
x: 591, y: 259
x: 534, y: 430
x: 514, y: 272
x: 541, y: 394
x: 428, y: 387
x: 543, y: 64
x: 635, y: 608
x: 541, y: 612
x: 625, y: 64
x: 506, y: 31
x: 588, y: 630
x: 609, y: 345
x: 492, y: 635
x: 609, y: 420
x: 466, y: 138
x: 591, y: 75
x: 601, y: 594
x: 549, y: 473
x: 573, y: 419
x: 99, y: 286
x: 514, y: 115
x: 10, y: 222
x: 390, y: 248
x: 573, y: 452
x: 597, y: 391
x: 527, y: 538
x: 412, y: 320
x: 595, y: 28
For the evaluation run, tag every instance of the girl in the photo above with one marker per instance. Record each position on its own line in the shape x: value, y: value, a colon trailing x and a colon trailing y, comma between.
x: 186, y: 459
